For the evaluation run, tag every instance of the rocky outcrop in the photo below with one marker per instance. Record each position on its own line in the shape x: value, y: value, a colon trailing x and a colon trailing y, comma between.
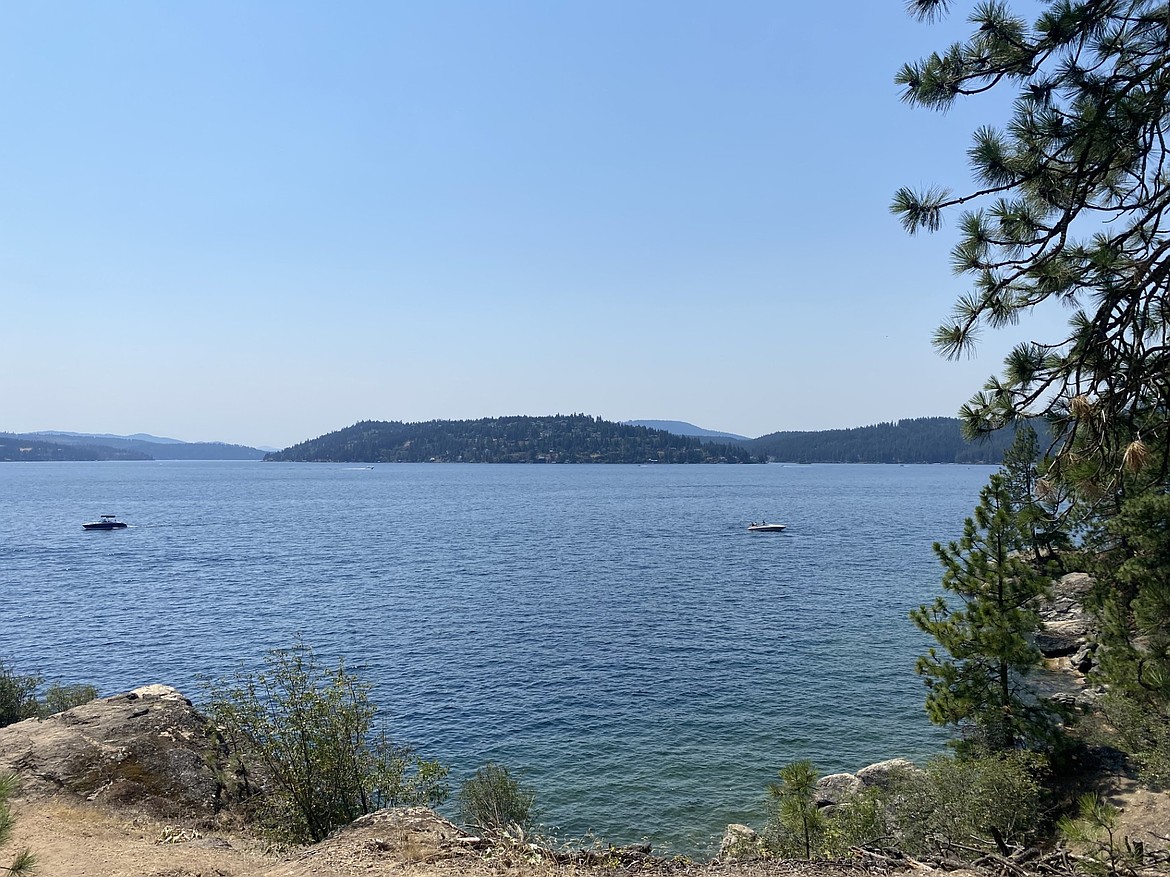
x: 885, y: 773
x: 1065, y: 625
x: 740, y: 843
x: 149, y: 749
x: 835, y: 788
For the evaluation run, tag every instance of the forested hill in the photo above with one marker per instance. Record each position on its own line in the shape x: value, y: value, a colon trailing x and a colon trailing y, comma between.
x: 918, y: 440
x: 14, y: 448
x: 144, y: 449
x: 574, y: 438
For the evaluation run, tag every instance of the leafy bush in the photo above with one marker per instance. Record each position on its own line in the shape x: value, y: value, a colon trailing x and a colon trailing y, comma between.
x: 18, y: 696
x: 798, y: 828
x: 59, y: 698
x: 957, y: 804
x: 492, y: 801
x: 18, y: 699
x: 24, y: 861
x: 309, y: 730
x: 1143, y: 734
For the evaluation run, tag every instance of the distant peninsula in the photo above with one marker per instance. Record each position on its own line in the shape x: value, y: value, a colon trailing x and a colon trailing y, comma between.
x: 913, y: 440
x: 561, y: 438
x: 74, y: 446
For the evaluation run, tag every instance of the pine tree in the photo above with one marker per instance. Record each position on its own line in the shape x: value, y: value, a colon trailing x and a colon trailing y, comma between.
x: 1134, y: 573
x: 1070, y: 208
x: 976, y: 682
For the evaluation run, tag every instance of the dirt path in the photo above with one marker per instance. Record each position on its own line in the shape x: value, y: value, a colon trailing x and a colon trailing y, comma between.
x: 80, y: 840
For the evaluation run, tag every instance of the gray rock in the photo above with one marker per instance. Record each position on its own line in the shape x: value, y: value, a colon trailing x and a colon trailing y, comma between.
x: 1075, y: 585
x: 1065, y: 602
x: 148, y: 748
x: 1057, y: 639
x: 884, y: 773
x: 740, y: 843
x: 835, y: 788
x: 1084, y: 658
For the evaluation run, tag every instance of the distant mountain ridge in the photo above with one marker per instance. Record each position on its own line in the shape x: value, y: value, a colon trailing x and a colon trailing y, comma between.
x: 138, y: 436
x: 681, y: 427
x: 54, y: 445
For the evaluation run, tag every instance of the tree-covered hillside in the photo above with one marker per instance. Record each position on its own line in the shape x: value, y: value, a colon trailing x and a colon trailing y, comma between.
x: 574, y: 438
x: 18, y: 449
x: 145, y: 449
x: 918, y: 440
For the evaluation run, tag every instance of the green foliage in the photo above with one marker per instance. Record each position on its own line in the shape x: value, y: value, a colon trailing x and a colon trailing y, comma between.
x: 1037, y: 503
x: 976, y: 684
x: 309, y: 729
x: 1133, y: 605
x: 23, y: 862
x: 797, y: 828
x: 858, y: 821
x: 955, y: 804
x: 58, y: 698
x: 18, y: 695
x: 1069, y: 208
x: 493, y: 801
x: 1134, y: 602
x: 1093, y: 832
x: 1143, y: 734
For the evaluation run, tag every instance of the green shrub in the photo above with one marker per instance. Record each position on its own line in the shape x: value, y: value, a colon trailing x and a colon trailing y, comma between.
x: 1094, y: 833
x: 956, y: 804
x: 18, y: 696
x: 492, y: 801
x: 23, y: 862
x: 59, y: 698
x: 18, y: 700
x: 798, y: 828
x: 308, y: 730
x: 1141, y: 733
x: 858, y: 821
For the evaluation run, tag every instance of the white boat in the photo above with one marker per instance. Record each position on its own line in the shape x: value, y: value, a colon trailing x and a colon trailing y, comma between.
x: 765, y: 527
x: 107, y: 522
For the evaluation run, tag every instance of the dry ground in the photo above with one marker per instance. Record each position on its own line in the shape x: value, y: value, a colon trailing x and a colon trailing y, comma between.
x: 77, y: 839
x: 74, y: 838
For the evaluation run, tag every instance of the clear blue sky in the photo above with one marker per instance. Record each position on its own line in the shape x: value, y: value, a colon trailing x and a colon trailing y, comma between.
x: 260, y: 222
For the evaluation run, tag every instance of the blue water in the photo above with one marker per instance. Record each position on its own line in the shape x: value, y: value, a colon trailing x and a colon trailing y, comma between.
x: 611, y: 633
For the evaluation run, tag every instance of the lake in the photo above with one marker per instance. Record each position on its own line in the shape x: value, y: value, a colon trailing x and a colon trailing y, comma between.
x: 612, y: 634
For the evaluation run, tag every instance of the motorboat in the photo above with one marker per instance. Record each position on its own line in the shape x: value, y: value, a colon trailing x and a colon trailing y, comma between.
x: 107, y: 522
x: 765, y: 527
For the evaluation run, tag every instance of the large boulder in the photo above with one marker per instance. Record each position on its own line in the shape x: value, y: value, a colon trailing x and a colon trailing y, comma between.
x: 1066, y: 598
x: 1059, y: 639
x: 149, y: 749
x: 886, y: 773
x: 835, y: 788
x: 740, y: 843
